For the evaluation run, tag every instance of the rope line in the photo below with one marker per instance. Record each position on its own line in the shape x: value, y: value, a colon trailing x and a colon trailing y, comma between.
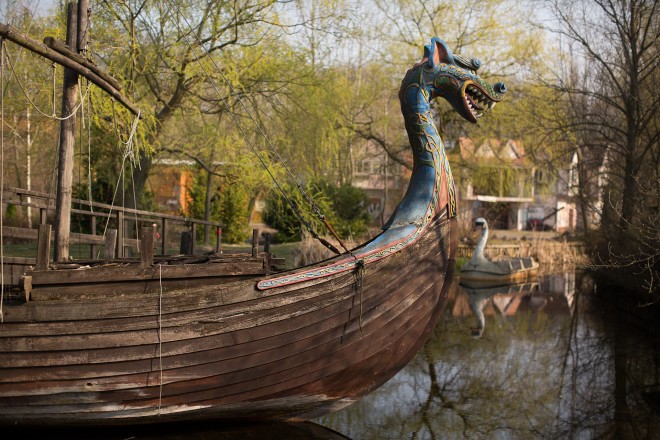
x: 58, y: 118
x: 160, y: 336
x: 2, y: 179
x: 126, y: 153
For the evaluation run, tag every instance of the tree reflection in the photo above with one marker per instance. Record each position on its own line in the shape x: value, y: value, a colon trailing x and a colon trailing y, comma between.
x: 553, y: 365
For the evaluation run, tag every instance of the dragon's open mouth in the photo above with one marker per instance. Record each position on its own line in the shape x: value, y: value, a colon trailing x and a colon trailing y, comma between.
x: 477, y: 100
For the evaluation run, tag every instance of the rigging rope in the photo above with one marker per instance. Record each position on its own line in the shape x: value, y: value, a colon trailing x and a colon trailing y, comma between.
x: 128, y: 151
x: 236, y: 96
x: 58, y: 118
x: 160, y: 336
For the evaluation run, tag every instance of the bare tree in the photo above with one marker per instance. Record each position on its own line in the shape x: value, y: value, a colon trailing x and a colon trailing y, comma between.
x: 609, y: 85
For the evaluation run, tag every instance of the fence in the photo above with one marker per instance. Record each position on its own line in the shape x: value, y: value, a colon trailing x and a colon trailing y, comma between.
x: 92, y: 232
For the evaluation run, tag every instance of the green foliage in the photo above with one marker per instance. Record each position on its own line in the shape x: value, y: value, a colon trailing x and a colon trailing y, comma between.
x: 234, y: 213
x: 230, y: 205
x: 344, y: 207
x: 500, y: 180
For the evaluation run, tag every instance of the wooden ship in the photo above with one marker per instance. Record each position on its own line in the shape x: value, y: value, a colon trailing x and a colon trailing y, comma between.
x: 229, y: 336
x: 480, y: 271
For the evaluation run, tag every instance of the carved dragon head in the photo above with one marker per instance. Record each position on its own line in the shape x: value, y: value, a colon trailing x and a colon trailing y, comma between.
x: 455, y: 79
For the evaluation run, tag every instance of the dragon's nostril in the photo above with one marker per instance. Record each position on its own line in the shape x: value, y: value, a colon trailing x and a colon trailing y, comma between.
x: 476, y: 63
x: 500, y: 88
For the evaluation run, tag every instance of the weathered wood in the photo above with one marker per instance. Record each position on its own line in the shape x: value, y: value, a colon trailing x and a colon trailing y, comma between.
x: 163, y: 237
x: 10, y: 192
x: 43, y: 247
x: 110, y: 244
x: 83, y: 26
x: 59, y: 47
x: 242, y: 374
x: 26, y: 286
x: 66, y: 146
x: 147, y: 246
x: 93, y: 248
x: 121, y: 234
x: 32, y: 234
x: 16, y: 36
x: 185, y: 247
x: 133, y: 272
x: 193, y: 238
x: 255, y: 242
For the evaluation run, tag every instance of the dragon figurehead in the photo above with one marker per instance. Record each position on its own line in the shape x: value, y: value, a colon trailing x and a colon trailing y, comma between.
x: 431, y: 192
x: 453, y: 77
x: 441, y: 73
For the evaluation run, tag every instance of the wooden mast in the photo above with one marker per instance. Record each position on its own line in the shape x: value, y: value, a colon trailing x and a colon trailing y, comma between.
x: 70, y: 91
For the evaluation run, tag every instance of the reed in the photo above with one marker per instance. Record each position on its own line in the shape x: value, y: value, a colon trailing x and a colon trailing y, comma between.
x: 311, y: 251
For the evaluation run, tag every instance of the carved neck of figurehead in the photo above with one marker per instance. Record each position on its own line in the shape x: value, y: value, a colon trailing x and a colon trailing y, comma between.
x: 427, y: 147
x: 441, y: 73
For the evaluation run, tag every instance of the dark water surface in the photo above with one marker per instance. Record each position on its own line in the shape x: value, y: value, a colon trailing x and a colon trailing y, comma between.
x: 546, y: 360
x: 554, y: 360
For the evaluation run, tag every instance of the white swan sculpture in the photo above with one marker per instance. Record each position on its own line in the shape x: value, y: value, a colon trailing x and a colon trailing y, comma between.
x: 480, y: 270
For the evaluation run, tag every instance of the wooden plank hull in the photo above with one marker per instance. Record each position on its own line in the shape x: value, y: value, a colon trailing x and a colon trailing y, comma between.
x: 222, y: 348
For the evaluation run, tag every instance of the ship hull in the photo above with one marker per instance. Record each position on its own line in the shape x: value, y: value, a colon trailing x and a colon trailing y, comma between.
x: 101, y: 353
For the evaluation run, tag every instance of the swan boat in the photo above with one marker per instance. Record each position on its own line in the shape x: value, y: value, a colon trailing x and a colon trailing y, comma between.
x: 480, y: 271
x: 126, y: 343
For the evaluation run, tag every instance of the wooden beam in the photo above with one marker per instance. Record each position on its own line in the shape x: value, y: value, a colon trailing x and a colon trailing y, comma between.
x: 61, y: 48
x: 15, y: 36
x: 104, y: 274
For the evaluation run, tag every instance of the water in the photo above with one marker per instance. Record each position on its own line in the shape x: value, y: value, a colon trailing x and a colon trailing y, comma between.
x: 549, y: 360
x: 553, y: 361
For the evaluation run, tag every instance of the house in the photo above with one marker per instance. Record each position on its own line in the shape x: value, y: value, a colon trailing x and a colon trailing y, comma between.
x: 171, y: 188
x: 383, y: 179
x: 496, y: 180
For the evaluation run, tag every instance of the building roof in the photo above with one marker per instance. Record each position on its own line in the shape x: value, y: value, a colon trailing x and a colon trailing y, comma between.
x: 507, y: 151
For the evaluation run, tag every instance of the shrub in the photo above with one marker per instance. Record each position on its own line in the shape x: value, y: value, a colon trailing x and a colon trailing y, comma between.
x: 344, y: 206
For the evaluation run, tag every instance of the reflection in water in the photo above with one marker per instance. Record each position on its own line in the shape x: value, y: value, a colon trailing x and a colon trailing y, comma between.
x: 504, y: 300
x: 552, y: 362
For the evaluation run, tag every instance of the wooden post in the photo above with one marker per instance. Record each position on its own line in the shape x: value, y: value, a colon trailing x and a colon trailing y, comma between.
x: 93, y: 246
x: 110, y: 244
x: 218, y: 243
x: 185, y: 247
x: 267, y: 242
x: 193, y: 237
x: 83, y: 20
x: 67, y: 139
x: 255, y: 243
x: 267, y: 252
x: 163, y: 237
x: 43, y: 247
x: 43, y: 216
x: 120, y: 234
x: 146, y: 245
